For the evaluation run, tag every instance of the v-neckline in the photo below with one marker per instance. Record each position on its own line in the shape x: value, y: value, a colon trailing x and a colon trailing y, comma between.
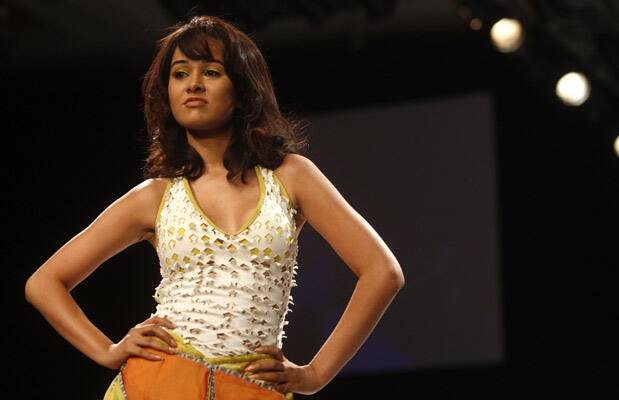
x: 252, y: 217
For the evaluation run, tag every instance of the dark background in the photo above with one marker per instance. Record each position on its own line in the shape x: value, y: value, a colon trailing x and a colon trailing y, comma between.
x: 71, y: 108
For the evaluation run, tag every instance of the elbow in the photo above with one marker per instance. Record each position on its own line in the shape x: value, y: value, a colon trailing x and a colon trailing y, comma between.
x: 392, y: 279
x: 397, y: 276
x: 39, y: 286
x: 394, y: 282
x: 33, y: 288
x: 390, y: 276
x: 28, y: 290
x: 400, y: 281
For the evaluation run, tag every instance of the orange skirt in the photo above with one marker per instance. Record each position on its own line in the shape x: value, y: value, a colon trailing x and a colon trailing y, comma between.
x: 188, y: 375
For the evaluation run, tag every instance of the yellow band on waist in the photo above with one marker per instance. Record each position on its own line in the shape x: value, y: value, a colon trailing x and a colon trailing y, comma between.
x: 237, y: 363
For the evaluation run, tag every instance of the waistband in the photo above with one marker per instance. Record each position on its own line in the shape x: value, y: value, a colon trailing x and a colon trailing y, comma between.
x: 232, y: 364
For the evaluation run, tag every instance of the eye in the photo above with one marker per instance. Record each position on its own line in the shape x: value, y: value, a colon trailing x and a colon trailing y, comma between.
x: 176, y: 73
x: 212, y: 70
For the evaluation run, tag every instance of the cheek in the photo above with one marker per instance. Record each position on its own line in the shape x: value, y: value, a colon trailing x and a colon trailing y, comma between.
x: 171, y: 94
x: 227, y: 94
x: 174, y: 98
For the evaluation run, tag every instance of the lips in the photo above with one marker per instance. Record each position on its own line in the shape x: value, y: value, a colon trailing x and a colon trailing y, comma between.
x: 196, y: 100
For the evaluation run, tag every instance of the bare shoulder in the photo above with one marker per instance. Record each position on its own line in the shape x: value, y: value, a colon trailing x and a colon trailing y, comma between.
x: 289, y: 172
x: 149, y: 194
x: 151, y: 187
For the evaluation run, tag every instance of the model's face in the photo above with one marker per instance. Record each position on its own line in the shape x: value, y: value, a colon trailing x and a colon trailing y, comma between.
x: 203, y: 79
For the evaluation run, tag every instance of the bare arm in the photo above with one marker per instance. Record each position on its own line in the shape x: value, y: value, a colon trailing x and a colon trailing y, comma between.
x: 125, y: 222
x: 379, y: 274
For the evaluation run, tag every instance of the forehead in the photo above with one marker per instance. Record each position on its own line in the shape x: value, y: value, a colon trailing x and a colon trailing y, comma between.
x: 214, y: 45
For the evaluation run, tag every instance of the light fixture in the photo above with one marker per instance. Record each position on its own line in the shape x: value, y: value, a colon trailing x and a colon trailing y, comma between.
x: 507, y: 35
x: 573, y: 88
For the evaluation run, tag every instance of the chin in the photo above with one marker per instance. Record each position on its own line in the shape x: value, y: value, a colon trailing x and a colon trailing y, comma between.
x: 201, y: 126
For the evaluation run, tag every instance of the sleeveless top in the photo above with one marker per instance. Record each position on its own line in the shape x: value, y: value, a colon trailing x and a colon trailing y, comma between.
x: 227, y: 292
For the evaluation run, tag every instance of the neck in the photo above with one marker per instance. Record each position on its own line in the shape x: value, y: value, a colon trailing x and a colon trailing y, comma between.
x: 211, y: 146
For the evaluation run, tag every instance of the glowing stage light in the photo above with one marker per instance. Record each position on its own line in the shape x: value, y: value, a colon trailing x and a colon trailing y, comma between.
x: 507, y: 35
x: 573, y: 89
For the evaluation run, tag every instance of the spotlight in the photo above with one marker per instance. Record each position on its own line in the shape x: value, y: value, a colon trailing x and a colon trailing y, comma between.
x: 507, y: 35
x: 573, y: 89
x: 617, y: 146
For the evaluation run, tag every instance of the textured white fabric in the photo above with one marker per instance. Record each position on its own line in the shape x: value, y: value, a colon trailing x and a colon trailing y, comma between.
x: 227, y: 293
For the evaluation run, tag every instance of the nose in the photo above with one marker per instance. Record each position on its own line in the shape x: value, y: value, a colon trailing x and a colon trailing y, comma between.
x: 195, y: 85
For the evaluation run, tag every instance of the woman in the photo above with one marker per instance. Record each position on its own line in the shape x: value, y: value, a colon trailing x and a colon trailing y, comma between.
x: 227, y: 261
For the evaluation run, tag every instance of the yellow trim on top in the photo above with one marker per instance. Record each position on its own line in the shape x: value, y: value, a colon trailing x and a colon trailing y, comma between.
x: 284, y: 192
x: 253, y: 215
x: 157, y: 217
x: 281, y: 185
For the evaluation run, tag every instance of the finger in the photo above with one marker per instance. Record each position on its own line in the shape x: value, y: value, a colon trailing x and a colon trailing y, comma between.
x: 145, y: 341
x: 270, y: 376
x: 265, y: 365
x: 159, y: 321
x: 156, y: 320
x: 155, y: 330
x: 164, y: 322
x: 269, y: 349
x: 141, y: 352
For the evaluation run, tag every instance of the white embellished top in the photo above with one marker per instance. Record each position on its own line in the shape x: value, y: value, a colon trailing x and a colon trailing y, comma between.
x: 227, y: 293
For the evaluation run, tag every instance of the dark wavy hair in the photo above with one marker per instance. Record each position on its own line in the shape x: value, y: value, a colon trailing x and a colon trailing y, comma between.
x: 262, y: 135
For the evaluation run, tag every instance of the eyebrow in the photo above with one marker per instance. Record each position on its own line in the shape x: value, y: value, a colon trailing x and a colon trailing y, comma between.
x: 183, y: 61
